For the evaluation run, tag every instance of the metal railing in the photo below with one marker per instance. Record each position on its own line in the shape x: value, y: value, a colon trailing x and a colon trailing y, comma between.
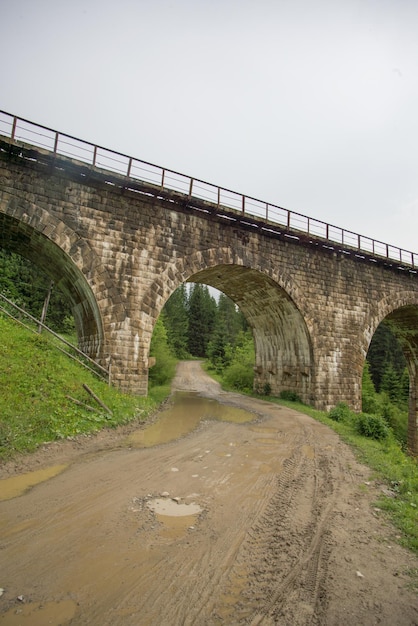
x: 21, y: 130
x: 12, y: 310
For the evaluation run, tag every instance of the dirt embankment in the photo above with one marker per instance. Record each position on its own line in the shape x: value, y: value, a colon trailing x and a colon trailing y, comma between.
x: 287, y: 531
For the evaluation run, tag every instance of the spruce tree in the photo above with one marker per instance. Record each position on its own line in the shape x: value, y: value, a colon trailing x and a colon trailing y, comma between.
x: 384, y: 349
x: 27, y: 286
x: 202, y: 313
x: 177, y: 322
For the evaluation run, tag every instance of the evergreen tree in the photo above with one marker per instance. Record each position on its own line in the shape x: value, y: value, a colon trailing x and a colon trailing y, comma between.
x: 217, y: 350
x: 27, y: 286
x: 229, y: 316
x: 368, y: 392
x: 405, y: 385
x: 177, y: 322
x: 202, y: 312
x: 384, y: 349
x: 391, y: 383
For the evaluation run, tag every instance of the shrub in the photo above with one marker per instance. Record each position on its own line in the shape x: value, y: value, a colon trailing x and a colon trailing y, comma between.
x: 340, y: 412
x: 239, y: 376
x: 165, y: 363
x: 372, y: 426
x: 267, y: 389
x: 288, y: 394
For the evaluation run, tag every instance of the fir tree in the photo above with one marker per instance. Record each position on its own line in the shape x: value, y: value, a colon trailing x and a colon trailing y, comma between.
x: 202, y: 312
x: 384, y: 349
x: 177, y: 322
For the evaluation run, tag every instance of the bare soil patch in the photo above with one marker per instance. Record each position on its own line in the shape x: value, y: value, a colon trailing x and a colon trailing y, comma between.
x: 286, y: 530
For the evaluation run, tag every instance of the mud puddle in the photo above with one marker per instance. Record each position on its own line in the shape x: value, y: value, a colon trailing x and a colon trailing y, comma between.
x: 40, y: 614
x: 174, y: 516
x: 17, y: 485
x: 184, y: 416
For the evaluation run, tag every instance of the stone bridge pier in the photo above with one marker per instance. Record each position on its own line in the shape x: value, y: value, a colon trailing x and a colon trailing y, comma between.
x: 119, y: 251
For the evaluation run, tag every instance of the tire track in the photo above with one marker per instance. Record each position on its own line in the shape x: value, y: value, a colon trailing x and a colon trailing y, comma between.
x: 286, y: 551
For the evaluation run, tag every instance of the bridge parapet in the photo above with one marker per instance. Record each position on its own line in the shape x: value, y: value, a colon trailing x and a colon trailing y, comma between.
x: 136, y: 174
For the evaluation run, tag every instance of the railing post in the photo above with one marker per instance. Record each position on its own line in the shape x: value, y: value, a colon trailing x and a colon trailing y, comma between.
x: 387, y: 251
x: 128, y: 173
x: 219, y: 196
x: 56, y: 142
x: 267, y: 212
x: 94, y: 156
x: 14, y: 128
x: 327, y: 232
x: 190, y: 188
x: 288, y: 220
x: 162, y: 178
x: 358, y: 242
x: 243, y: 205
x: 309, y: 225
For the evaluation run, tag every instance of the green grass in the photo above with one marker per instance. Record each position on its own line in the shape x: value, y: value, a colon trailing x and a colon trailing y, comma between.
x: 35, y: 382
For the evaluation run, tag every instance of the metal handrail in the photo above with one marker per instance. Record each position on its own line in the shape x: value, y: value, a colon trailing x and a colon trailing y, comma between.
x: 20, y: 129
x: 96, y: 368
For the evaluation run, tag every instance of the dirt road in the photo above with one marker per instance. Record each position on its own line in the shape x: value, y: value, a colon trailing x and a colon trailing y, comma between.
x: 287, y: 531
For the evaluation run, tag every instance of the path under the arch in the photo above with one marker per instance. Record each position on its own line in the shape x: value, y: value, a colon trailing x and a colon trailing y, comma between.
x: 282, y: 530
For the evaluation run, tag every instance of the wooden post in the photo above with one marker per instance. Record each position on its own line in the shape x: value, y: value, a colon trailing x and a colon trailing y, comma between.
x: 45, y: 307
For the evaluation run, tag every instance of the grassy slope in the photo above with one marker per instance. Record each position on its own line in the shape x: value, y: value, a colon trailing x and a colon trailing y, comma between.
x: 35, y: 380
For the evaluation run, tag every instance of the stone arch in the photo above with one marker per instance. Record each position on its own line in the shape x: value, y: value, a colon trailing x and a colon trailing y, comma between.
x: 386, y: 308
x: 68, y: 260
x: 401, y: 311
x: 271, y: 304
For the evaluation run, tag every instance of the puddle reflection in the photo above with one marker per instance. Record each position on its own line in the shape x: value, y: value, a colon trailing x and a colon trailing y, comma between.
x: 16, y: 485
x: 185, y: 414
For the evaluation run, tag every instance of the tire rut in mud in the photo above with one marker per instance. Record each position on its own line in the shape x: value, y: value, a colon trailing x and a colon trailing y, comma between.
x: 282, y: 563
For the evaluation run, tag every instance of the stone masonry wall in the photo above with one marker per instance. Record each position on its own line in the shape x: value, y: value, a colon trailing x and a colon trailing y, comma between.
x: 122, y: 254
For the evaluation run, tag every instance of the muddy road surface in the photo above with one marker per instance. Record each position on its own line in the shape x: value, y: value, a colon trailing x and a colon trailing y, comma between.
x: 267, y: 521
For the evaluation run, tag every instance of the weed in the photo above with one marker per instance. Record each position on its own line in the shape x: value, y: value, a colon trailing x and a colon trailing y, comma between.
x: 267, y: 389
x: 372, y: 426
x: 340, y: 412
x: 291, y: 396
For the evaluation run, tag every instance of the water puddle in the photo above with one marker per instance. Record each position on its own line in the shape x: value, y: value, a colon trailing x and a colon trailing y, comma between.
x: 187, y: 411
x: 172, y: 508
x: 40, y: 614
x: 17, y: 485
x: 174, y: 516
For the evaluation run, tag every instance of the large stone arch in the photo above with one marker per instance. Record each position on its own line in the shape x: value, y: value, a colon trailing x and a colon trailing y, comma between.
x: 268, y: 299
x: 401, y: 311
x: 68, y: 260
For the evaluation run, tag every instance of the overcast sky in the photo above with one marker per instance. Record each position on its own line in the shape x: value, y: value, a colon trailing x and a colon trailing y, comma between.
x: 311, y: 105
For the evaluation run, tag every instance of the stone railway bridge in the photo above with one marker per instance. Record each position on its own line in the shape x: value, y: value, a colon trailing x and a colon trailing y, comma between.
x: 118, y: 247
